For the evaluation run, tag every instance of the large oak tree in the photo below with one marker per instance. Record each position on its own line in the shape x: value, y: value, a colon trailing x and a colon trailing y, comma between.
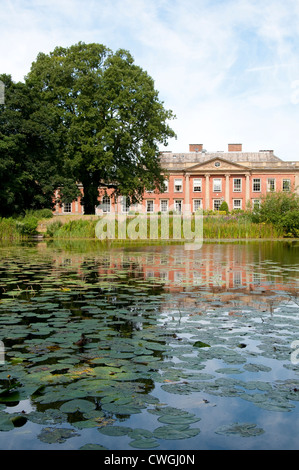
x: 108, y: 120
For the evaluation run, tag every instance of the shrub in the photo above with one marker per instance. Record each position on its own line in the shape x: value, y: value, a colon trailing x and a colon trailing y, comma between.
x: 27, y: 225
x: 224, y: 207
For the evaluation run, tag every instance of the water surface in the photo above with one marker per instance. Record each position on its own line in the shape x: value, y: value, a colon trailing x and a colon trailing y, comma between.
x: 186, y: 349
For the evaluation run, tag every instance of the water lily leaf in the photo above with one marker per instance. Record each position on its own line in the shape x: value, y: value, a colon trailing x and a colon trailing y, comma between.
x: 200, y: 344
x: 51, y: 435
x: 77, y: 405
x: 175, y: 432
x: 179, y: 420
x: 243, y: 429
x: 93, y: 447
x: 115, y: 430
x: 146, y: 443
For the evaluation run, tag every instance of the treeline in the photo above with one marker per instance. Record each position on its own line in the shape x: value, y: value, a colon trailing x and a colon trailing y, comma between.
x: 83, y: 114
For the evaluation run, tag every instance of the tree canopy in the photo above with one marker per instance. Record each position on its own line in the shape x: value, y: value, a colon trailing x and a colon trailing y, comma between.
x: 105, y: 118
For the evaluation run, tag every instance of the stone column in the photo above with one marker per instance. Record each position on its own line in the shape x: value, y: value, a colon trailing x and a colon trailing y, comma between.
x: 247, y: 189
x: 207, y: 204
x: 187, y: 194
x: 227, y: 195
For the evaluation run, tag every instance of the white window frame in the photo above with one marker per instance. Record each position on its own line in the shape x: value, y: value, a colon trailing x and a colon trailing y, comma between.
x: 216, y: 200
x: 176, y: 185
x: 67, y: 205
x: 288, y: 181
x: 180, y: 203
x: 106, y: 204
x: 167, y: 204
x: 256, y: 203
x: 237, y: 188
x: 197, y: 183
x: 256, y: 181
x: 270, y: 182
x: 200, y: 204
x: 215, y: 190
x: 235, y: 207
x: 150, y: 203
x: 166, y: 184
x: 124, y: 208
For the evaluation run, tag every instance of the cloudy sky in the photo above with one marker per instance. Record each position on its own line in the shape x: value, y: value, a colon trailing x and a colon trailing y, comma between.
x: 229, y: 69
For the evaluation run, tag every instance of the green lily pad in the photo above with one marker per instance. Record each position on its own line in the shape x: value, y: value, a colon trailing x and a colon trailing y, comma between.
x: 77, y: 405
x: 175, y: 432
x: 243, y: 429
x: 51, y: 435
x: 146, y: 443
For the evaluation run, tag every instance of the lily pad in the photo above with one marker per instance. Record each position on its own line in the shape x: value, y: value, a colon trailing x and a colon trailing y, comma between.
x: 51, y: 435
x: 77, y: 405
x: 243, y: 430
x: 175, y: 432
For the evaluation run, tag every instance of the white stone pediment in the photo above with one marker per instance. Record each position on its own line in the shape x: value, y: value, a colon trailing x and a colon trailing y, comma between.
x: 216, y: 164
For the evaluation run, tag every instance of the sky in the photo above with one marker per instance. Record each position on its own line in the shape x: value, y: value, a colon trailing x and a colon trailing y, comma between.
x: 228, y: 69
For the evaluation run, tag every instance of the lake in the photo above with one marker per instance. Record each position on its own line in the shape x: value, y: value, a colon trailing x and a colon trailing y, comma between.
x: 181, y: 349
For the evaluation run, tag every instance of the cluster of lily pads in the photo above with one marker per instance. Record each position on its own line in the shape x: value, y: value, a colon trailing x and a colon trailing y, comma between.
x: 140, y: 339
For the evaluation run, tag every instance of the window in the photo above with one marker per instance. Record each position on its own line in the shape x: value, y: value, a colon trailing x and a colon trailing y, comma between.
x: 178, y: 206
x: 271, y: 184
x: 217, y: 185
x: 125, y: 204
x: 286, y: 185
x: 216, y: 204
x: 105, y: 204
x: 165, y: 186
x: 164, y: 205
x: 217, y: 163
x: 197, y: 185
x: 196, y: 204
x: 237, y: 203
x: 67, y: 207
x: 256, y: 204
x: 149, y: 206
x: 178, y: 185
x: 237, y: 185
x: 256, y: 185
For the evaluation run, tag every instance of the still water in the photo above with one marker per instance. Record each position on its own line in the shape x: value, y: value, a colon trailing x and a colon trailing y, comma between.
x: 181, y: 349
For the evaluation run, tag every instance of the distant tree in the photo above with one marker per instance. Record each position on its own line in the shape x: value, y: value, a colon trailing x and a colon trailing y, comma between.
x: 108, y: 120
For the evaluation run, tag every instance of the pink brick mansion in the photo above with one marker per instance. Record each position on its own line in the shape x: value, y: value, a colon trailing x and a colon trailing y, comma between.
x: 199, y: 179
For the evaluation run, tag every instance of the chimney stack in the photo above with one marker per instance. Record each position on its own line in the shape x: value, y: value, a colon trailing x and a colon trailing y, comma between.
x: 235, y: 147
x: 195, y: 147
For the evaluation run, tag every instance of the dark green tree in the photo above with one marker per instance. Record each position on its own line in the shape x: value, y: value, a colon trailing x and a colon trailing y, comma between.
x: 109, y: 121
x: 28, y: 171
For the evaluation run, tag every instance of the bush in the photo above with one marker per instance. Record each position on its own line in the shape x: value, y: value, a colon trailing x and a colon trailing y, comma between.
x: 27, y: 226
x: 224, y: 207
x: 290, y: 223
x: 40, y: 213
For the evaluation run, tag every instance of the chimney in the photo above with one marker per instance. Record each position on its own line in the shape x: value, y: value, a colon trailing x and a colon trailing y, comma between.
x: 195, y: 147
x: 235, y: 147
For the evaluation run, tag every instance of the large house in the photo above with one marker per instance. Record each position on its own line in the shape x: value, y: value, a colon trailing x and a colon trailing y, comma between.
x: 199, y: 179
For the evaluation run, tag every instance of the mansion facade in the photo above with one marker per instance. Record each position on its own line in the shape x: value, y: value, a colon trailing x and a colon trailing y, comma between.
x: 203, y: 180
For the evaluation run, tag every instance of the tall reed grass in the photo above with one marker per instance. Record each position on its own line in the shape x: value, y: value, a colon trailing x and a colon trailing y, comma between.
x: 214, y: 227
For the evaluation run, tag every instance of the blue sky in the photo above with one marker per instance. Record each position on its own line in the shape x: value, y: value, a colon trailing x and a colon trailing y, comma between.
x: 229, y: 69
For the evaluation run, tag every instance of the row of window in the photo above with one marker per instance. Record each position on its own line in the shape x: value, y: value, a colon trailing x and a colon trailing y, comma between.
x: 164, y: 205
x: 237, y: 185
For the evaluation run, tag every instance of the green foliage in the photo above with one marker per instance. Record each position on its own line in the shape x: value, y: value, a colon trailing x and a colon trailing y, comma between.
x: 280, y: 209
x: 224, y: 207
x: 109, y: 121
x: 27, y: 225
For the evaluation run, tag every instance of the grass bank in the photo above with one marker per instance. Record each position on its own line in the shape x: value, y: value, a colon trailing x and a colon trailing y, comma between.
x: 214, y: 227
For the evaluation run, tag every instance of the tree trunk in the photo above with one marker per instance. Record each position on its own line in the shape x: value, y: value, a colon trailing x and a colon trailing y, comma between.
x: 90, y: 194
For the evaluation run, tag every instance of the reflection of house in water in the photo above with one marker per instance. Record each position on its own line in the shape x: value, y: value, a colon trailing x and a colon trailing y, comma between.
x: 239, y: 272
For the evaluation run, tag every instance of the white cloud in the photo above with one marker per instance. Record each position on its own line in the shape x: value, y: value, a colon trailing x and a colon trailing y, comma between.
x: 227, y: 68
